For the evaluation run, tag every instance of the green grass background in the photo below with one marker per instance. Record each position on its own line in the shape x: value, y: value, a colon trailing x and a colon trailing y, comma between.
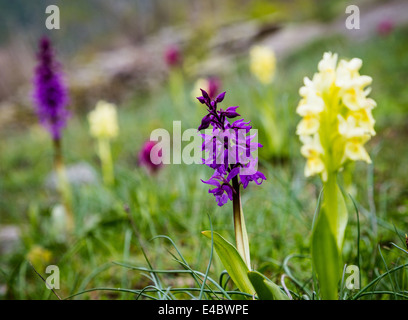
x: 175, y: 203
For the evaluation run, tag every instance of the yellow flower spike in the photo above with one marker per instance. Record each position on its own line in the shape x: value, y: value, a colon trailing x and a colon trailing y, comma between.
x: 336, y: 123
x: 335, y: 107
x: 262, y: 63
x: 103, y: 121
x: 104, y: 127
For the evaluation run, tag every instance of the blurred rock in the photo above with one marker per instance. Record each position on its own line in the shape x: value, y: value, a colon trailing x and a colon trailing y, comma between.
x: 395, y: 12
x: 115, y: 74
x: 9, y: 238
x: 78, y: 174
x: 129, y: 67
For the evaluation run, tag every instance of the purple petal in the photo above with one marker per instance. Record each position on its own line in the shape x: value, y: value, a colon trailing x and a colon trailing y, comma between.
x: 220, y: 97
x: 228, y: 189
x: 205, y: 123
x: 234, y: 172
x: 205, y: 95
x: 201, y: 99
x: 212, y: 181
x: 221, y: 200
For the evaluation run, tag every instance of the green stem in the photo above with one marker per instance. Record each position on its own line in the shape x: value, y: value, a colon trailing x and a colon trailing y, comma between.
x: 327, y: 239
x: 62, y: 183
x: 335, y: 207
x: 106, y: 161
x: 330, y: 199
x: 241, y: 236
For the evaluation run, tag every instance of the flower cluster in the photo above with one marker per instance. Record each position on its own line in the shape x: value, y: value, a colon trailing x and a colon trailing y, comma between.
x: 103, y: 121
x: 230, y: 150
x: 150, y: 160
x: 262, y: 63
x: 173, y: 56
x: 50, y: 92
x: 337, y: 116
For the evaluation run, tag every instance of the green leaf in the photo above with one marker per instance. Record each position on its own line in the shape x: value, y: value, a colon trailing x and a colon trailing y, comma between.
x: 328, y: 238
x: 334, y: 206
x: 232, y: 261
x: 326, y: 257
x: 265, y: 288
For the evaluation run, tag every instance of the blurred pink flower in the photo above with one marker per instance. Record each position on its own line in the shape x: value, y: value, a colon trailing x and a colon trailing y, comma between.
x: 173, y: 56
x: 148, y: 159
x: 385, y: 27
x: 214, y: 85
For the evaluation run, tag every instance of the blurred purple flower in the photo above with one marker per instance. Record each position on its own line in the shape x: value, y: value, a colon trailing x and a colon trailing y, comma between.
x: 149, y: 159
x: 50, y: 93
x: 227, y: 137
x: 173, y: 56
x: 385, y: 27
x: 214, y: 85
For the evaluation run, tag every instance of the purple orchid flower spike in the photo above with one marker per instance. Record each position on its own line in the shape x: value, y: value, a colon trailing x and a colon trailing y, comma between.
x: 229, y: 149
x: 50, y: 93
x: 50, y: 98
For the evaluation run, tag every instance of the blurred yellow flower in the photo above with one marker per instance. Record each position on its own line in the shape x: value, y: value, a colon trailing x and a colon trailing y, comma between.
x: 336, y: 116
x: 103, y: 121
x: 262, y: 63
x: 355, y: 151
x: 39, y: 256
x: 201, y: 83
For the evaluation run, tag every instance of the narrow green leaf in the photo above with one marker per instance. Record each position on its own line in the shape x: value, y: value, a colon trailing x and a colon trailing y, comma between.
x: 328, y: 237
x: 335, y: 208
x: 265, y: 288
x: 326, y: 257
x: 232, y: 262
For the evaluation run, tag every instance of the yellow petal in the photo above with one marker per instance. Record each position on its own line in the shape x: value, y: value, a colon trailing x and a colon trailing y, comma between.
x: 355, y: 151
x: 314, y: 165
x: 308, y: 125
